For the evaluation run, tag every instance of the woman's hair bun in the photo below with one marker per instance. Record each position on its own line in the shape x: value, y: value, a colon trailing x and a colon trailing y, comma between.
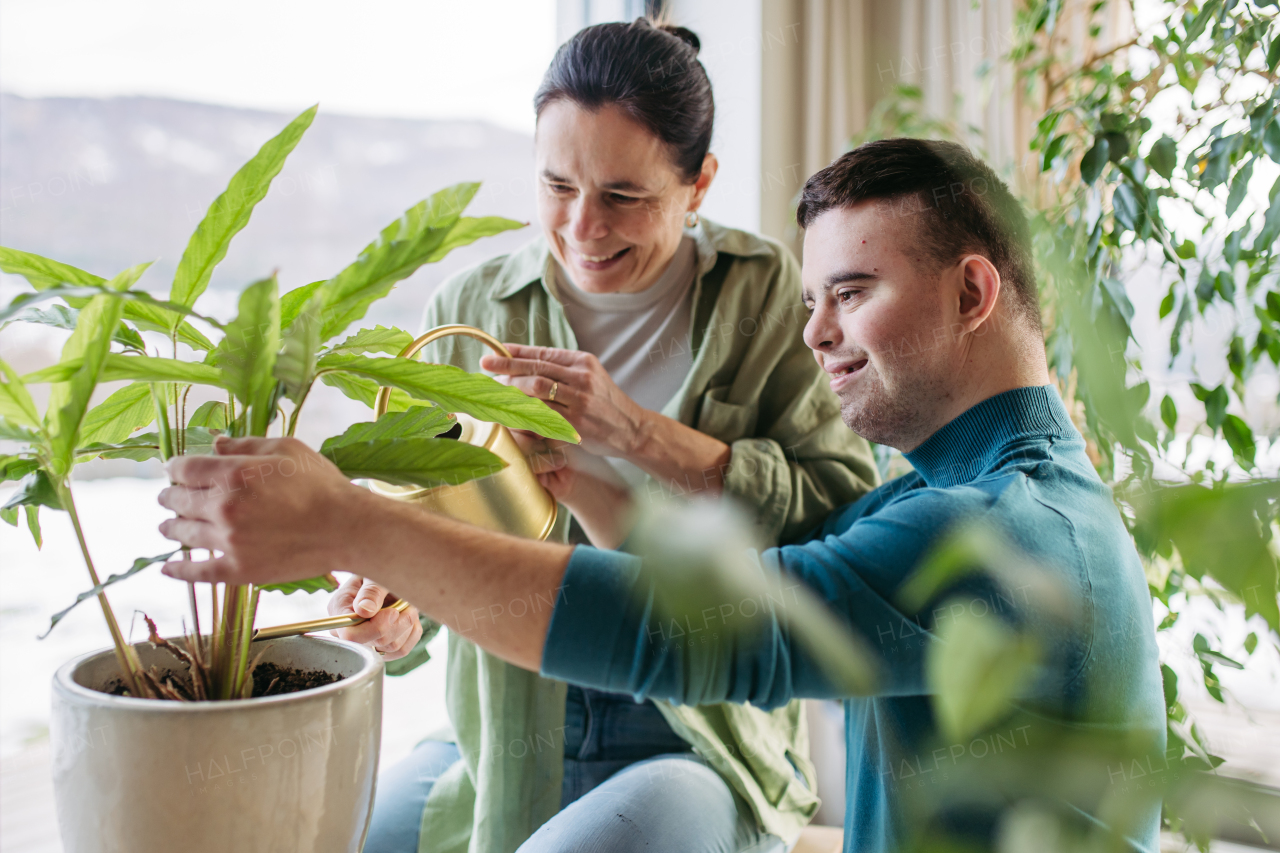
x: 686, y: 35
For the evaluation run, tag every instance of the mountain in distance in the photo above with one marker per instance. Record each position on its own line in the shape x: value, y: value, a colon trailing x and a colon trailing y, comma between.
x: 107, y: 183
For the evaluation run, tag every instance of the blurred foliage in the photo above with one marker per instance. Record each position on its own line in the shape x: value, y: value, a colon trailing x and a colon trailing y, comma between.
x: 1154, y: 153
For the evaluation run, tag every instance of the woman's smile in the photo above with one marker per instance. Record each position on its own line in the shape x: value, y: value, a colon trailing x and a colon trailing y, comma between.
x: 594, y: 262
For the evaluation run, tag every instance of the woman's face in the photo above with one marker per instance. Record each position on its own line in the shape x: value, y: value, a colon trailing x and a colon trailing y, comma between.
x: 611, y: 201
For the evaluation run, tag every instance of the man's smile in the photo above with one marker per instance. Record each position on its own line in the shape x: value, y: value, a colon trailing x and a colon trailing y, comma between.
x: 843, y: 372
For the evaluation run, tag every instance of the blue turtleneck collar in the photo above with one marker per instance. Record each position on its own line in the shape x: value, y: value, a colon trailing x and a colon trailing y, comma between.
x: 971, y: 444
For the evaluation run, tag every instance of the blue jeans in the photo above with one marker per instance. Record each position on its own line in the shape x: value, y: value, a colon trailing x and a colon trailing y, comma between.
x: 630, y: 784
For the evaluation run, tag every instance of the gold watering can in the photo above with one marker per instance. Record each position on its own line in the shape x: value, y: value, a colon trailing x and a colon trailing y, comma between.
x: 510, y: 501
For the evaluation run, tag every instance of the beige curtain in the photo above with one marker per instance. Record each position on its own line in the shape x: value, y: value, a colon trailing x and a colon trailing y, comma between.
x: 827, y: 63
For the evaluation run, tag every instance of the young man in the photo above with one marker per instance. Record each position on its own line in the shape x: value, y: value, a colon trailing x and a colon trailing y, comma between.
x: 918, y: 274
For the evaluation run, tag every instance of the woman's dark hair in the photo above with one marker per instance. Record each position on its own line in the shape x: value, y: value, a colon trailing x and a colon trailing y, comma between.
x: 648, y: 69
x: 958, y: 204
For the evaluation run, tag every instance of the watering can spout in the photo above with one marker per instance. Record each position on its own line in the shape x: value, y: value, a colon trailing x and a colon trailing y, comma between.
x: 509, y: 501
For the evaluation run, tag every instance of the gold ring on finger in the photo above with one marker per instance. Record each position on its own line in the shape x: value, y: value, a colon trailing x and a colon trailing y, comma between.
x: 555, y: 386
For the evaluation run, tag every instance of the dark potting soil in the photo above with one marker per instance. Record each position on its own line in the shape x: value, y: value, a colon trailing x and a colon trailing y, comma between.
x: 269, y: 679
x: 272, y: 680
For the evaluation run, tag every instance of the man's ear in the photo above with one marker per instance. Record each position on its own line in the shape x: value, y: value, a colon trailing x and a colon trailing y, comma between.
x: 979, y: 290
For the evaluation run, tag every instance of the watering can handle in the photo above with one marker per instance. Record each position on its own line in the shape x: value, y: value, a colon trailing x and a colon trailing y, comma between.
x: 380, y: 407
x: 384, y: 393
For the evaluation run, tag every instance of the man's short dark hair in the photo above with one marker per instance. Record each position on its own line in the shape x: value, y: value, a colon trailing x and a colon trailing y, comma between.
x: 958, y: 203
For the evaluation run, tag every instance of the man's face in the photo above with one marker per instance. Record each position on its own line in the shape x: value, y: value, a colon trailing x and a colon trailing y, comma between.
x: 881, y: 322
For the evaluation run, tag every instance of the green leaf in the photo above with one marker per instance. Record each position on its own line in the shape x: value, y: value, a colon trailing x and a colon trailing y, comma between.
x: 1052, y: 151
x: 358, y: 388
x: 44, y: 273
x: 1163, y: 157
x: 1169, y: 678
x: 421, y: 422
x: 1225, y: 284
x: 33, y: 524
x: 247, y: 355
x: 89, y: 345
x: 1215, y: 404
x: 976, y: 671
x: 423, y: 462
x: 1231, y: 246
x: 292, y: 303
x: 1093, y: 161
x: 230, y: 212
x: 324, y: 583
x: 37, y: 489
x: 9, y: 516
x: 1166, y: 304
x: 16, y: 467
x: 140, y: 368
x: 1168, y: 412
x: 1116, y: 293
x: 1125, y: 205
x: 1240, y: 437
x: 79, y: 295
x: 1213, y: 657
x: 138, y: 565
x: 456, y: 390
x: 1239, y: 186
x: 378, y: 339
x: 63, y: 317
x: 119, y: 416
x: 1218, y: 534
x: 1219, y: 161
x: 296, y: 365
x: 139, y: 448
x: 211, y: 415
x: 1186, y: 250
x: 424, y: 234
x: 15, y: 402
x: 1265, y: 239
x: 1250, y: 643
x: 1271, y: 136
x: 25, y: 435
x: 1206, y: 285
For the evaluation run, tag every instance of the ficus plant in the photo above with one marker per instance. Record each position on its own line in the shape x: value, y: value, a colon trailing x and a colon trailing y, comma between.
x: 1154, y: 153
x: 265, y: 362
x: 1161, y: 152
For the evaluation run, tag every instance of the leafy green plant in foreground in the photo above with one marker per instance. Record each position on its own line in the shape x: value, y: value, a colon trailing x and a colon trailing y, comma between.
x: 265, y: 362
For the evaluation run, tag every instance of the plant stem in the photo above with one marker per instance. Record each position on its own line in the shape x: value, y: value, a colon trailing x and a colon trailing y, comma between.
x: 246, y: 638
x: 163, y: 430
x: 293, y: 416
x: 126, y: 657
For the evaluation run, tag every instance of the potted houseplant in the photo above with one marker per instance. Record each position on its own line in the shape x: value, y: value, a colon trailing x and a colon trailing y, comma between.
x: 210, y: 740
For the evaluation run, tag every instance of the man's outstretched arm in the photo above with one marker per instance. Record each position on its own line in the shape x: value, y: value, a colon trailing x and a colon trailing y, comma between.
x: 278, y: 511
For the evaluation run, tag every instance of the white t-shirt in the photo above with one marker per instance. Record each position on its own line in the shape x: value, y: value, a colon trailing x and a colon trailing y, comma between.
x: 642, y: 339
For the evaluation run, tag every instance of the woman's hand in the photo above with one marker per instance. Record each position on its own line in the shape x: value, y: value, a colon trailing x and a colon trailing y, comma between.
x: 392, y: 633
x: 609, y: 421
x: 588, y: 485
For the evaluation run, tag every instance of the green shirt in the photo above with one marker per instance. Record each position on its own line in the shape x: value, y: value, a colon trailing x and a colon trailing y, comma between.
x: 755, y: 386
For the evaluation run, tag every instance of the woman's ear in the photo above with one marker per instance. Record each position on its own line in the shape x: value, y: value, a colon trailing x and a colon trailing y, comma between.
x: 710, y: 165
x: 979, y: 290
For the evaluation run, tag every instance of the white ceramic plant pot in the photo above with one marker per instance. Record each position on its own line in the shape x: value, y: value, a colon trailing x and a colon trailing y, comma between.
x: 280, y: 773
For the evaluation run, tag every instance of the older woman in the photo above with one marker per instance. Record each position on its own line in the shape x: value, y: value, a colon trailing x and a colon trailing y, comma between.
x: 674, y: 348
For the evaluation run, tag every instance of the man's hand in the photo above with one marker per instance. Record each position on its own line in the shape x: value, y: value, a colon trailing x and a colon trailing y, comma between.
x: 275, y: 509
x: 609, y: 421
x: 392, y: 633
